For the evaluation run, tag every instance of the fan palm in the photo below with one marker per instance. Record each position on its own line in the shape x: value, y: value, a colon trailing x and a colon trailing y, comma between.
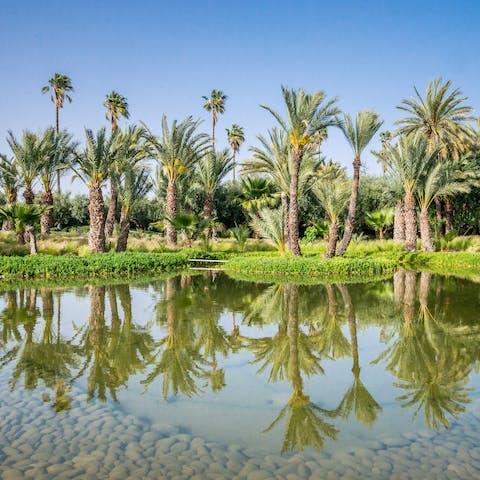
x: 58, y: 86
x: 306, y: 115
x: 10, y: 183
x: 215, y: 104
x: 177, y: 151
x: 116, y: 106
x: 407, y: 162
x: 235, y: 138
x: 211, y: 170
x: 92, y: 167
x: 358, y: 133
x: 443, y: 118
x: 333, y: 196
x: 257, y: 193
x: 379, y: 220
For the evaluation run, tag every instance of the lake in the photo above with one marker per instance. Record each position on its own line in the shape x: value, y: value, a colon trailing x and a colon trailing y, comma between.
x: 206, y: 377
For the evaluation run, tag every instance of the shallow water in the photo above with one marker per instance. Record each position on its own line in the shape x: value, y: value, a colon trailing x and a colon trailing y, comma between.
x: 199, y: 377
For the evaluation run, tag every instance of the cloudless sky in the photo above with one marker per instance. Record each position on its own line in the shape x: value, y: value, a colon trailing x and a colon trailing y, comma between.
x: 163, y: 56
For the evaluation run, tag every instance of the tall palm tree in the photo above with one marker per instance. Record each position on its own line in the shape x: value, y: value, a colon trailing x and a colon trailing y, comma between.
x: 273, y: 158
x: 333, y: 196
x: 134, y: 184
x: 407, y: 162
x: 215, y: 104
x: 29, y: 154
x: 177, y: 150
x: 306, y: 115
x: 10, y: 183
x: 92, y: 166
x: 358, y: 135
x: 443, y: 118
x: 58, y: 86
x: 211, y: 170
x: 441, y: 180
x: 117, y: 106
x: 235, y: 137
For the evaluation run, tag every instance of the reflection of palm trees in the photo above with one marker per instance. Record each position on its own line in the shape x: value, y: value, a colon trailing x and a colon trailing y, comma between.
x: 180, y: 361
x: 357, y: 397
x: 290, y: 352
x: 430, y: 362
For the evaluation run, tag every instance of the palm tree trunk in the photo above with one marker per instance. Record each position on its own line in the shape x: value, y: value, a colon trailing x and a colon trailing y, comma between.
x: 33, y: 239
x: 286, y: 235
x: 46, y: 220
x: 112, y: 208
x: 410, y: 223
x: 409, y: 298
x: 425, y: 231
x: 21, y: 237
x: 213, y: 132
x: 234, y: 163
x: 28, y: 194
x: 208, y: 205
x: 112, y: 300
x: 352, y: 208
x: 332, y: 240
x: 96, y: 236
x: 8, y: 225
x: 57, y: 130
x: 352, y: 326
x: 438, y: 213
x: 293, y: 208
x: 399, y: 223
x: 122, y: 240
x: 448, y: 215
x: 425, y: 279
x: 96, y: 320
x: 171, y: 211
x: 291, y: 292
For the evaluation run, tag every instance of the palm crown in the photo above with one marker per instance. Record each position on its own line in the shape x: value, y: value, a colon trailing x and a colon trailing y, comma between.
x: 117, y: 106
x: 59, y: 85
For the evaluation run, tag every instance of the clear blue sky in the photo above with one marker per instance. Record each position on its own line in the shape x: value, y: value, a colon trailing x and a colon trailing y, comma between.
x: 163, y: 56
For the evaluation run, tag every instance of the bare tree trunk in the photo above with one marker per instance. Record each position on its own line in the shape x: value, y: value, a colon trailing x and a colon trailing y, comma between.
x: 286, y: 235
x: 425, y: 231
x: 96, y: 236
x: 171, y: 210
x: 122, y: 240
x: 46, y: 220
x: 399, y: 223
x: 448, y: 215
x: 293, y: 208
x: 352, y: 208
x: 332, y: 240
x: 410, y: 223
x: 33, y: 240
x: 112, y: 208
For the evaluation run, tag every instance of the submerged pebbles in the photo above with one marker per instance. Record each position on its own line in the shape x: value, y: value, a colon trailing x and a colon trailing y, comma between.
x: 100, y: 441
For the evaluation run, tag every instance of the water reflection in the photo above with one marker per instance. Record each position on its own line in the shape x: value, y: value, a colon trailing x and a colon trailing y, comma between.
x: 427, y: 332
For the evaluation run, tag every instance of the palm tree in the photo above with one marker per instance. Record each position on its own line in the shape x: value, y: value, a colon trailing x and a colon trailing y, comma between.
x: 333, y: 196
x: 379, y: 220
x: 211, y: 170
x: 269, y: 224
x: 235, y: 139
x: 29, y: 155
x: 189, y: 225
x: 24, y: 217
x: 117, y: 106
x: 306, y: 115
x: 134, y: 184
x: 10, y: 183
x: 177, y: 151
x: 58, y: 86
x: 407, y: 162
x: 358, y: 135
x: 59, y: 151
x: 215, y: 104
x: 443, y: 119
x: 441, y: 180
x: 273, y: 158
x: 92, y: 166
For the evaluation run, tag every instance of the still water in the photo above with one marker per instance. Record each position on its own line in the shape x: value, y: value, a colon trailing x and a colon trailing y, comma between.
x: 206, y: 377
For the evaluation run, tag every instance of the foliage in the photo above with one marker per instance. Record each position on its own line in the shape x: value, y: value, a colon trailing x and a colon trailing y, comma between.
x: 240, y: 233
x: 269, y: 224
x: 380, y: 219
